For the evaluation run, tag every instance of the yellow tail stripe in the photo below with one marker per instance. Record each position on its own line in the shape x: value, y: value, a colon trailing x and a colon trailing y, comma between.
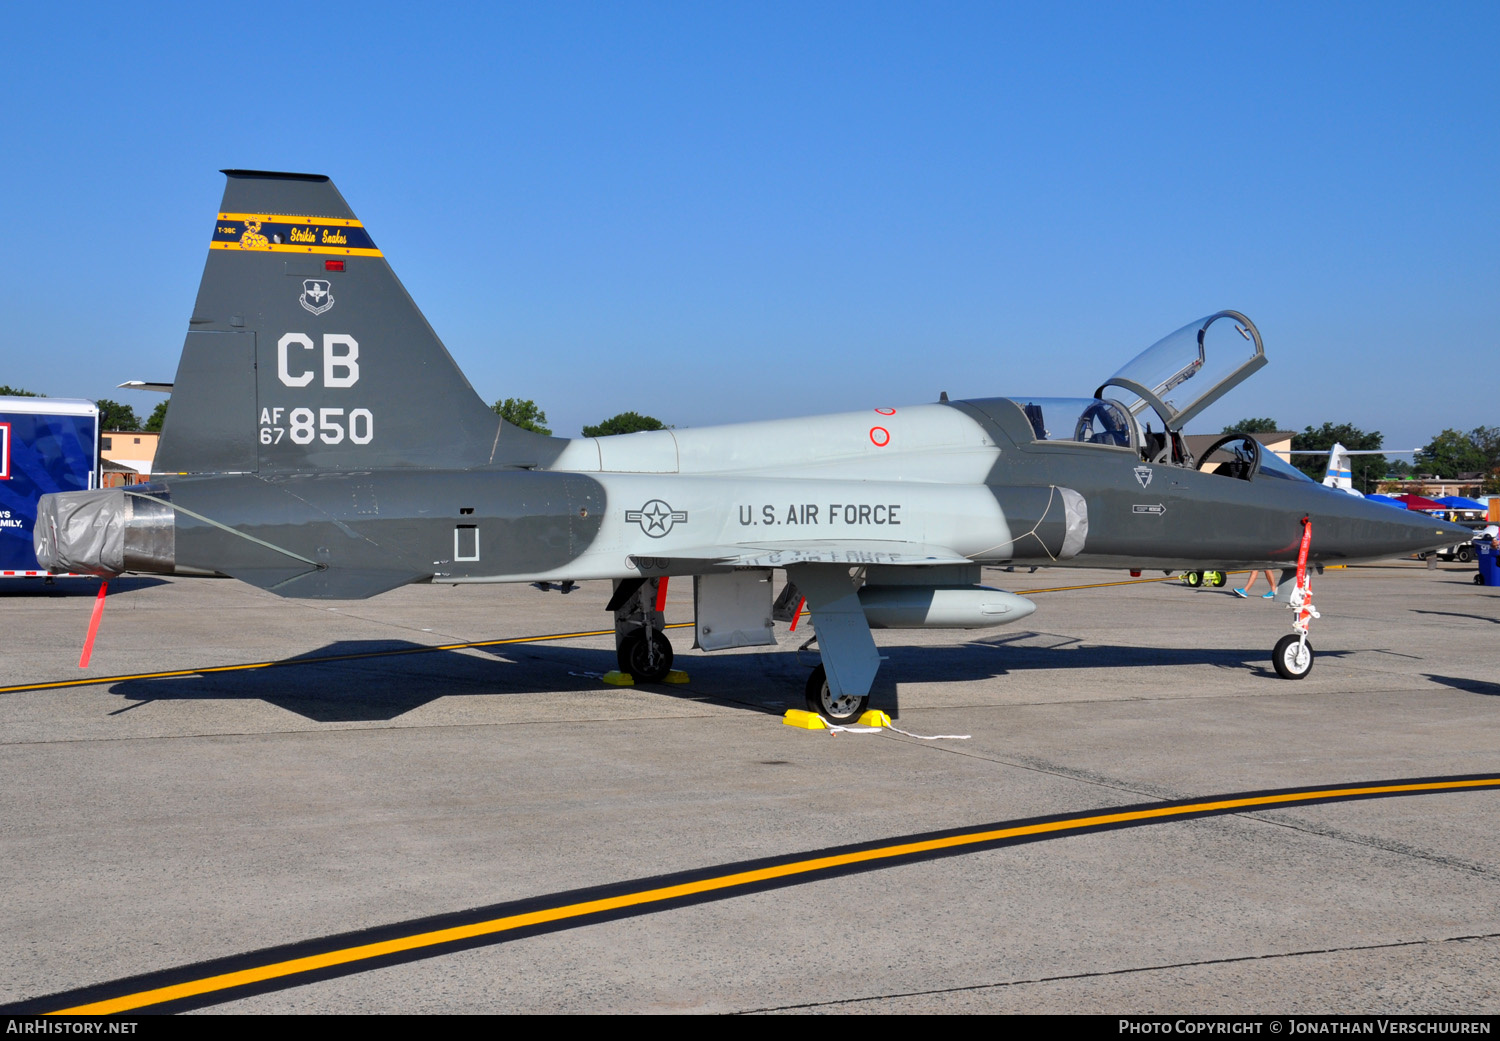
x: 282, y: 247
x: 291, y: 218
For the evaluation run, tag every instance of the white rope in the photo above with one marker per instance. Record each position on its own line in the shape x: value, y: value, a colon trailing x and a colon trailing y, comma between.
x: 933, y: 737
x: 1051, y: 494
x: 834, y: 728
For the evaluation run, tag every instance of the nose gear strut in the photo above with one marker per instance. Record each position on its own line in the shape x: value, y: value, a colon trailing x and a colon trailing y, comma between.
x: 1293, y: 655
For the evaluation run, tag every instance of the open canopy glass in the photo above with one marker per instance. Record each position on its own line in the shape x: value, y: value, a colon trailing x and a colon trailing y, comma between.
x: 1185, y: 372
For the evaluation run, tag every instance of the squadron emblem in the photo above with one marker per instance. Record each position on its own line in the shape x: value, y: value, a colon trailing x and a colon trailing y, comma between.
x: 317, y: 295
x: 656, y: 518
x: 252, y: 238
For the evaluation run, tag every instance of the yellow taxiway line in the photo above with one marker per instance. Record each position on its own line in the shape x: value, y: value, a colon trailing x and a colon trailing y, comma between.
x: 209, y: 983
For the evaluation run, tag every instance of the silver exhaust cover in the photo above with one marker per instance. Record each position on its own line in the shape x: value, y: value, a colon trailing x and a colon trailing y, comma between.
x: 104, y: 532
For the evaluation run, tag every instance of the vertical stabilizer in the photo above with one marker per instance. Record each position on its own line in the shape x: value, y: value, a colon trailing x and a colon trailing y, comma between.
x: 1340, y: 473
x: 305, y: 353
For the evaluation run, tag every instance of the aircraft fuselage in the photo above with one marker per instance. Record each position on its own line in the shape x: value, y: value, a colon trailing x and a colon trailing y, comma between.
x: 931, y: 476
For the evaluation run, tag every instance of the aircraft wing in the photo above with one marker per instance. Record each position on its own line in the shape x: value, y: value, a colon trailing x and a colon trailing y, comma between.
x: 814, y: 551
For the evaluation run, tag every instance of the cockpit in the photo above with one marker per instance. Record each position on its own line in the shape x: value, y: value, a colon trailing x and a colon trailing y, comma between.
x: 1154, y: 396
x: 1089, y: 421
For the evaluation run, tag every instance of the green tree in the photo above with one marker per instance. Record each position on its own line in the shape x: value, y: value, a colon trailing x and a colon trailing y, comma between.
x: 1487, y: 440
x: 624, y: 423
x: 1253, y: 426
x: 115, y: 416
x: 1367, y: 469
x: 523, y: 413
x: 7, y: 391
x: 1453, y: 452
x: 158, y: 417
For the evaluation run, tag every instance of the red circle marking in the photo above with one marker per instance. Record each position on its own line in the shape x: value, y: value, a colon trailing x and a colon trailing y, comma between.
x: 886, y: 411
x: 880, y: 436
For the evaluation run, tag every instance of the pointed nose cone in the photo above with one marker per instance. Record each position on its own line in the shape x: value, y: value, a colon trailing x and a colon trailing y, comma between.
x: 1370, y: 531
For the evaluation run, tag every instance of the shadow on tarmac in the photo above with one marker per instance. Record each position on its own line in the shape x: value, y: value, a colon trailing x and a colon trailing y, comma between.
x: 380, y: 680
x: 1458, y: 614
x: 1468, y: 685
x: 80, y: 587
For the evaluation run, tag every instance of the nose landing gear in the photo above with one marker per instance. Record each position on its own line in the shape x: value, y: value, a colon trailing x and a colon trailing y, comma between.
x: 1293, y: 655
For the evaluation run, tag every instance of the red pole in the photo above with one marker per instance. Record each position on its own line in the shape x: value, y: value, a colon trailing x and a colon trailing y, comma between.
x: 88, y: 644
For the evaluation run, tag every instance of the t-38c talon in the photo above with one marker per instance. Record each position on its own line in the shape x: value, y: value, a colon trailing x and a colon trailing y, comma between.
x: 322, y: 443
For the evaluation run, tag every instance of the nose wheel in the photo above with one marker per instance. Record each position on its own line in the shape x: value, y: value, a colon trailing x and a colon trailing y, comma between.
x: 841, y: 709
x: 1292, y: 656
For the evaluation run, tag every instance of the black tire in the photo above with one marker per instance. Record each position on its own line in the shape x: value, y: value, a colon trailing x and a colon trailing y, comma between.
x: 820, y: 699
x: 1479, y: 580
x: 1192, y: 578
x: 1290, y: 659
x: 1219, y: 578
x: 1465, y: 555
x: 647, y: 659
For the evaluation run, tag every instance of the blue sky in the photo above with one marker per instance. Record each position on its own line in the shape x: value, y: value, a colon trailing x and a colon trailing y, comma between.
x: 716, y: 212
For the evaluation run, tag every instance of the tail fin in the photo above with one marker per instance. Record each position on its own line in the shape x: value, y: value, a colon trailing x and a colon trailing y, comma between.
x: 1340, y: 475
x: 305, y: 353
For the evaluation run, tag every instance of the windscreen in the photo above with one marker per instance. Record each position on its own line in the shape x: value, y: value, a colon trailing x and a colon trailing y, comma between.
x: 1272, y: 465
x: 1088, y: 421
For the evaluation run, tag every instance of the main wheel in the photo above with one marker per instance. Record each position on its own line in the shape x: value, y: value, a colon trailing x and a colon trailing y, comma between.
x: 1218, y: 579
x: 844, y: 709
x: 647, y: 658
x: 1293, y: 658
x: 1192, y: 578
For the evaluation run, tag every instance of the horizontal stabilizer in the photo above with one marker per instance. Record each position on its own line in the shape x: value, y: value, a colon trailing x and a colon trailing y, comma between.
x: 329, y: 584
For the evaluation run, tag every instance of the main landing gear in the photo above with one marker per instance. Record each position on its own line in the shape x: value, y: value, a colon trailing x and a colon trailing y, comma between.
x: 641, y: 648
x: 842, y: 709
x: 648, y: 659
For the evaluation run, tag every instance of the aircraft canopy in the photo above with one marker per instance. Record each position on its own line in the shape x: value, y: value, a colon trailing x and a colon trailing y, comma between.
x: 1186, y: 371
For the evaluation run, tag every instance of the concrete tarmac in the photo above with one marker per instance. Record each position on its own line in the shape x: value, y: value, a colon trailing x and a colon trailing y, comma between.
x: 162, y: 821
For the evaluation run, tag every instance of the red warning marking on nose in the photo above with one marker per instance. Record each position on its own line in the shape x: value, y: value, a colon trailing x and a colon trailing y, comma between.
x: 880, y: 436
x: 886, y: 411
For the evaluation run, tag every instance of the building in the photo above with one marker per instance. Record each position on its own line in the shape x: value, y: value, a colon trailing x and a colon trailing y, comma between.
x: 128, y: 450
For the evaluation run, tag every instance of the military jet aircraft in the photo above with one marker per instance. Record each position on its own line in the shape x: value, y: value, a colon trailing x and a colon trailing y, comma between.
x: 322, y: 443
